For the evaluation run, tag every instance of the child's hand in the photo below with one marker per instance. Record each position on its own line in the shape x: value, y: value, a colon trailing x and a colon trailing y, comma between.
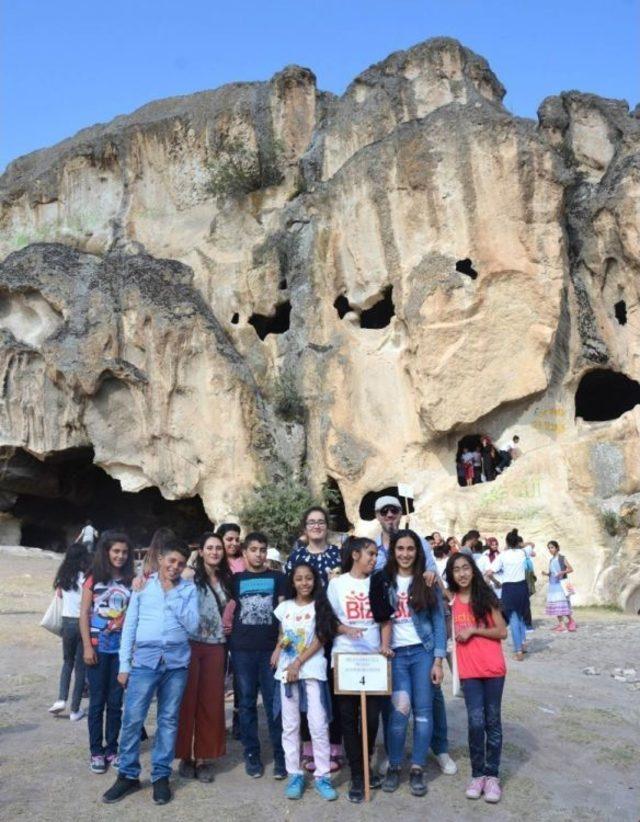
x: 123, y: 679
x: 353, y: 633
x: 385, y: 650
x: 429, y: 578
x: 292, y: 671
x: 138, y: 584
x: 275, y: 657
x: 465, y: 635
x: 334, y: 572
x: 89, y: 657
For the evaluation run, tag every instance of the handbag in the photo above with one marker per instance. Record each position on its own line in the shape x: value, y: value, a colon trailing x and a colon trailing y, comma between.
x: 52, y: 619
x: 456, y: 687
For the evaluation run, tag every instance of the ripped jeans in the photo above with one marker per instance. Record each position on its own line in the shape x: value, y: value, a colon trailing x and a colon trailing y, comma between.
x: 412, y: 693
x: 483, y: 698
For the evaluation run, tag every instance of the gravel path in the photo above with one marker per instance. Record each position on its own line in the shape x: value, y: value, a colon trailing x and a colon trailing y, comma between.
x: 572, y: 746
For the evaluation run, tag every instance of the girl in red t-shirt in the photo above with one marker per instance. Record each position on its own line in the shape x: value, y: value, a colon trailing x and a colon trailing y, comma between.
x: 478, y: 628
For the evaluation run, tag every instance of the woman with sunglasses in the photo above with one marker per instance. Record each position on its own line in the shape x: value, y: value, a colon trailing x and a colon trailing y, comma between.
x: 325, y: 558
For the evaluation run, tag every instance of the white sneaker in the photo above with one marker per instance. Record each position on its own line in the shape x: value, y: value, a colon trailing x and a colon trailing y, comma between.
x: 58, y: 706
x: 76, y: 716
x: 447, y: 765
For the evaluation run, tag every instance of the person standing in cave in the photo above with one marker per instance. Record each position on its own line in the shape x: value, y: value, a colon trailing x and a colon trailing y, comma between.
x: 105, y: 598
x: 325, y: 558
x: 389, y: 513
x: 489, y: 458
x: 88, y: 536
x: 467, y: 463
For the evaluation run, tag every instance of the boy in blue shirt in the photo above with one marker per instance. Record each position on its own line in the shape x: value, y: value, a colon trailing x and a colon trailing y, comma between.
x: 154, y: 657
x: 256, y: 591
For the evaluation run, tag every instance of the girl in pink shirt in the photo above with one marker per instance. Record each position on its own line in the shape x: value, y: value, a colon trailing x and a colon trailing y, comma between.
x: 478, y: 629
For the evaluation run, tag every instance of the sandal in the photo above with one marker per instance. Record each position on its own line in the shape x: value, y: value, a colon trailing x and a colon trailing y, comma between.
x: 335, y: 764
x: 307, y: 763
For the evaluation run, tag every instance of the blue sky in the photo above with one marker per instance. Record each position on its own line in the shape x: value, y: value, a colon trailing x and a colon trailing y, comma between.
x: 69, y: 64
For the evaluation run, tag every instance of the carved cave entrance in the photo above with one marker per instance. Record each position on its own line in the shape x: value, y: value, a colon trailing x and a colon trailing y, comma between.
x: 605, y: 395
x: 51, y: 499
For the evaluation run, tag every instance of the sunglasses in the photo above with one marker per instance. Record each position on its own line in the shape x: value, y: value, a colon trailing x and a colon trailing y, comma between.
x: 389, y: 509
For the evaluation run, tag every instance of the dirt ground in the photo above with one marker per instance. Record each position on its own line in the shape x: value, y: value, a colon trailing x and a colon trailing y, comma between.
x: 571, y: 740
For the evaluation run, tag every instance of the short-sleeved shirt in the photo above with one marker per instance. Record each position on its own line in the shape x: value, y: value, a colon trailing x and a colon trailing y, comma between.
x: 349, y: 598
x: 298, y: 625
x: 323, y: 563
x: 402, y: 628
x: 480, y: 657
x: 108, y: 609
x: 255, y: 627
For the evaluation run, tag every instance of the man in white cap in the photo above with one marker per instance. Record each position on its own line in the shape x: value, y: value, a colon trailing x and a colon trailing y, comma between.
x: 388, y: 513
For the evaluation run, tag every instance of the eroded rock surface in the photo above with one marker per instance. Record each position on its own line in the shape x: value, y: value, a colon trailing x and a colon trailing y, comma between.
x: 145, y: 316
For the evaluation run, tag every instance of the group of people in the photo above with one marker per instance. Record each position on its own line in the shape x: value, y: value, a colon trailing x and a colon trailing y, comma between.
x: 484, y: 461
x: 174, y: 629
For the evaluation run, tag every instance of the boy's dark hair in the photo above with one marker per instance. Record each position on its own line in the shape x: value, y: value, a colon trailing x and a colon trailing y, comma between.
x: 174, y: 544
x: 482, y: 598
x: 226, y: 527
x: 76, y: 560
x: 254, y: 536
x: 441, y: 551
x: 421, y: 596
x: 472, y: 534
x: 326, y: 620
x: 513, y: 538
x: 101, y: 569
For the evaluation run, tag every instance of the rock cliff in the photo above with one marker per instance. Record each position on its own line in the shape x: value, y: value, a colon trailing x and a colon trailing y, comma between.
x: 420, y: 263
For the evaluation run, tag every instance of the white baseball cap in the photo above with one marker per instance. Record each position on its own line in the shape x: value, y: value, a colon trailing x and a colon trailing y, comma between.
x: 273, y: 555
x: 382, y: 502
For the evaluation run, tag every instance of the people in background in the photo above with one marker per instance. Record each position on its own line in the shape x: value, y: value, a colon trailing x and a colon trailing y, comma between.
x: 88, y: 536
x: 510, y: 568
x: 68, y: 585
x: 558, y: 603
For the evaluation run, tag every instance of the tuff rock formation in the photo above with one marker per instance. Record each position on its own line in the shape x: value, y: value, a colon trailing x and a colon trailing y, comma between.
x: 147, y: 316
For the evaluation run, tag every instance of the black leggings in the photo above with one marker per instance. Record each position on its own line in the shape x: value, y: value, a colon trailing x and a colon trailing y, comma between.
x: 349, y: 708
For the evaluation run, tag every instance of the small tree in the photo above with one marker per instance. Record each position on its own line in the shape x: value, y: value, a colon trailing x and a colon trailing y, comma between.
x: 276, y: 508
x: 288, y: 401
x: 236, y: 170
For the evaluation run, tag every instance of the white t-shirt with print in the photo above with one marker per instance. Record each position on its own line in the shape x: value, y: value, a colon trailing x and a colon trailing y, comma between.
x: 298, y: 624
x: 349, y: 598
x: 403, y: 631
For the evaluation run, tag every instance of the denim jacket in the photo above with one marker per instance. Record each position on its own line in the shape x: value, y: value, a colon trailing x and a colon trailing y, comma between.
x: 429, y: 624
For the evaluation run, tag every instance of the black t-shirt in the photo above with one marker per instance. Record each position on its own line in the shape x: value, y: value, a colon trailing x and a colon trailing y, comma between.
x: 254, y: 626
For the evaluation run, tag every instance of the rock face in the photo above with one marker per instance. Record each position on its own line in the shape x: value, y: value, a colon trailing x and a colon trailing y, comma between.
x: 148, y: 314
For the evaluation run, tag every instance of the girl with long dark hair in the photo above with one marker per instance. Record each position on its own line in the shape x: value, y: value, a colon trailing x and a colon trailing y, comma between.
x: 105, y: 597
x: 479, y: 628
x: 201, y: 726
x: 511, y: 566
x: 413, y: 633
x: 358, y: 633
x: 307, y: 623
x: 68, y: 585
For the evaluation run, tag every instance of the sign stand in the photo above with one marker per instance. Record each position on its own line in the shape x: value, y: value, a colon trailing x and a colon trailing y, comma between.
x: 365, y: 745
x: 406, y: 492
x: 362, y: 674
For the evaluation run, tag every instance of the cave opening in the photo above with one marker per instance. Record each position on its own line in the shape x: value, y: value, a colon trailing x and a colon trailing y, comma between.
x: 466, y: 267
x: 620, y: 309
x: 52, y: 498
x: 283, y: 285
x: 368, y: 502
x: 341, y: 305
x: 276, y: 323
x: 235, y: 319
x: 605, y: 395
x: 469, y: 442
x: 336, y: 507
x: 380, y: 314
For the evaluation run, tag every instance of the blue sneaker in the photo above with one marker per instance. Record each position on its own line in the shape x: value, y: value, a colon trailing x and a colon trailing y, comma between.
x: 295, y: 786
x: 253, y: 766
x: 325, y: 788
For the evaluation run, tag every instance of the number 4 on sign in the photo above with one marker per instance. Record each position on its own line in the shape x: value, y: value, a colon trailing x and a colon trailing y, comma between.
x: 363, y: 682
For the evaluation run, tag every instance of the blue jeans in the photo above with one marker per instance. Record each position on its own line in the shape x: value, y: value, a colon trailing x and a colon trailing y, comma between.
x: 411, y: 674
x: 440, y: 735
x: 169, y: 684
x: 483, y: 698
x: 253, y: 670
x: 104, y: 691
x: 518, y: 630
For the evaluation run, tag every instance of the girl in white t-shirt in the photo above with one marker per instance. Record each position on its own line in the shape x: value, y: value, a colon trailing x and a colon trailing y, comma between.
x: 358, y: 632
x: 307, y: 622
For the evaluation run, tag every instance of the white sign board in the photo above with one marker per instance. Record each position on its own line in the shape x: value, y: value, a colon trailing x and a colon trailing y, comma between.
x: 362, y: 673
x: 405, y: 490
